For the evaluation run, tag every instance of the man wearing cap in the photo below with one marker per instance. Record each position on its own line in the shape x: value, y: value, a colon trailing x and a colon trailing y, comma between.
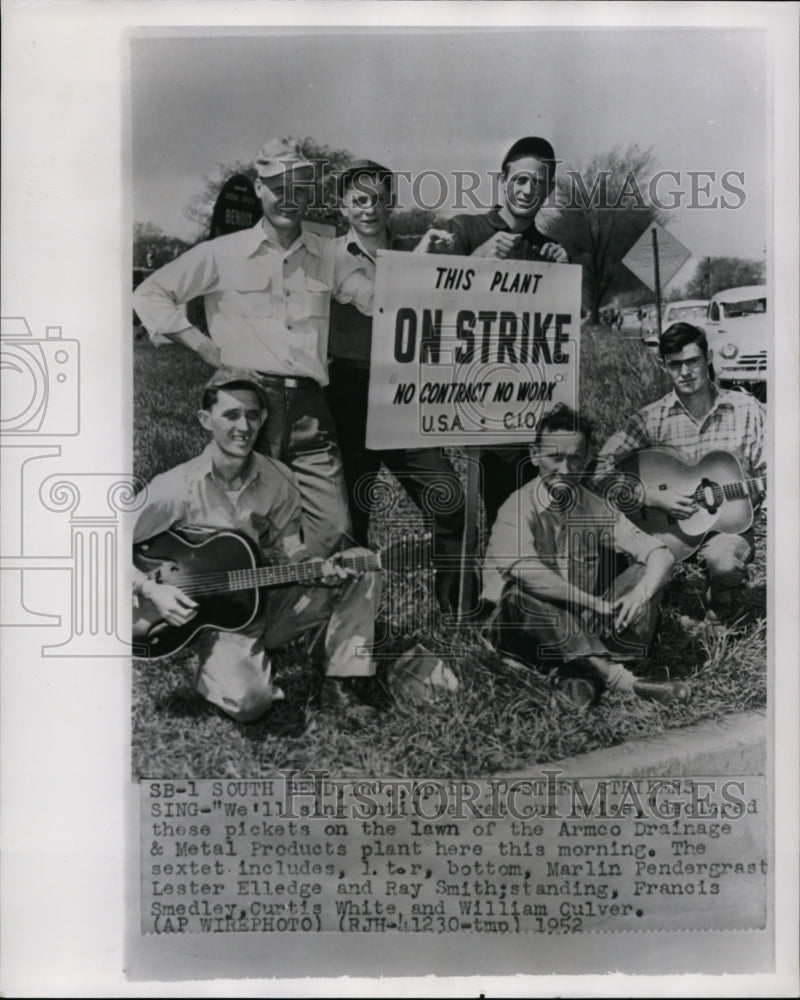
x: 366, y: 193
x: 507, y: 232
x: 229, y: 486
x: 267, y: 294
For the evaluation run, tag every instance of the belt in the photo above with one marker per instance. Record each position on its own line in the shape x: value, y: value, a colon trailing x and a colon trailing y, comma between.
x: 288, y: 381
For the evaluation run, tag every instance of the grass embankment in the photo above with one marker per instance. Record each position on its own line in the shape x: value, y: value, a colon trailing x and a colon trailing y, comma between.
x: 503, y: 717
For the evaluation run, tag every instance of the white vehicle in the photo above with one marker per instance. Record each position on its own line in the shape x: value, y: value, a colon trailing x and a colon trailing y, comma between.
x: 682, y: 311
x: 737, y: 327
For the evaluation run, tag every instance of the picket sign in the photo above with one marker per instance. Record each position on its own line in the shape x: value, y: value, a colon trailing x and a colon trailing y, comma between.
x: 470, y: 351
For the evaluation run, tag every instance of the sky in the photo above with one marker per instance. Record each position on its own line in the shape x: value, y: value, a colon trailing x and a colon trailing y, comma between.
x: 455, y: 100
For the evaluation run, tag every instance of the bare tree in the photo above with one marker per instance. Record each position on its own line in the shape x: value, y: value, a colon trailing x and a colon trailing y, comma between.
x: 713, y: 274
x: 602, y: 210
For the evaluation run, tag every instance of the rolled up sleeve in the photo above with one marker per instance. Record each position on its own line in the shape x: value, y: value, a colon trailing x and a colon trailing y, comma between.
x: 159, y: 300
x: 633, y: 542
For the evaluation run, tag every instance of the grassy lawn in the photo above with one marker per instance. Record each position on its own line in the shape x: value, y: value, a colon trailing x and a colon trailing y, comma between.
x: 502, y: 717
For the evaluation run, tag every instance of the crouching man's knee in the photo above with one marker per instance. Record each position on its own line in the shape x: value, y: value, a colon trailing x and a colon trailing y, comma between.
x: 237, y: 679
x: 726, y: 558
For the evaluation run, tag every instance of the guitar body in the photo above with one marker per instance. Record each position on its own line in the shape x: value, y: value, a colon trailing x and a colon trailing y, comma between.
x: 706, y: 479
x: 177, y: 559
x: 221, y: 571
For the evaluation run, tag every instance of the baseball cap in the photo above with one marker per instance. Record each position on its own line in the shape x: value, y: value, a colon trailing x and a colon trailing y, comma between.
x: 239, y: 378
x: 369, y: 167
x: 531, y: 145
x: 277, y: 156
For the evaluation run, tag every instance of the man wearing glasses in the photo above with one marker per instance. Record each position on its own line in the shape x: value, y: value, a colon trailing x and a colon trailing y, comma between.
x: 366, y: 192
x: 267, y: 293
x: 696, y: 418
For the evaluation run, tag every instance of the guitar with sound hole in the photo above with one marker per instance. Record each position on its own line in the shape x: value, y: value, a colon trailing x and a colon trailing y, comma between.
x: 723, y: 494
x: 230, y: 598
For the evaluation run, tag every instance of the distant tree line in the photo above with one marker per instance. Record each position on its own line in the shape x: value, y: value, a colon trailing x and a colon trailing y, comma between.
x: 597, y: 228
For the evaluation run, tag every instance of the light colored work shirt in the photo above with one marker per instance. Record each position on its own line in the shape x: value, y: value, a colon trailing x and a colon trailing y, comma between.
x: 267, y: 307
x: 266, y: 509
x: 531, y: 531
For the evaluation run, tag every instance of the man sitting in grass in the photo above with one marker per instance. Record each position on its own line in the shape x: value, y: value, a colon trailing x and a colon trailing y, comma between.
x: 542, y: 570
x: 695, y: 419
x: 231, y: 487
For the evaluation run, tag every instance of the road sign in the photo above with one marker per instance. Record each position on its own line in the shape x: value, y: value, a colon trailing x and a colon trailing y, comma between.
x: 237, y: 207
x: 672, y: 255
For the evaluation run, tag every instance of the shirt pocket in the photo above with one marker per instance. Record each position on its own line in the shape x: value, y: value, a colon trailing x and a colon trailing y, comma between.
x: 252, y: 285
x: 310, y: 299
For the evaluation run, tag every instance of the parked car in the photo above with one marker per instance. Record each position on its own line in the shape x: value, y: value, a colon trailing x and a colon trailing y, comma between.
x: 648, y: 326
x: 737, y: 327
x: 681, y: 311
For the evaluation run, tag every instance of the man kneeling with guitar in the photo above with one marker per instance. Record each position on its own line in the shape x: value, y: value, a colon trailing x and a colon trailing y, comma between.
x: 238, y: 499
x: 699, y: 453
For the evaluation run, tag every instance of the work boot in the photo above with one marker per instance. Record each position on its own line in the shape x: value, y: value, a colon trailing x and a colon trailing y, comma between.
x: 580, y: 682
x: 581, y: 691
x: 664, y: 692
x: 338, y: 698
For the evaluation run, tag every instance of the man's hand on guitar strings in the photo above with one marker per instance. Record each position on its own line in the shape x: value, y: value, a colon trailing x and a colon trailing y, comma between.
x: 170, y: 602
x: 333, y: 571
x: 677, y: 505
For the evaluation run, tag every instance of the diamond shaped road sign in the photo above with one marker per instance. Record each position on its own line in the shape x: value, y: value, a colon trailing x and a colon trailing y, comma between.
x: 672, y: 255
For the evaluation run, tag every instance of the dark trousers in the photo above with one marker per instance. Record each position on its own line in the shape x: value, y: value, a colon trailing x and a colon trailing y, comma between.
x: 299, y: 431
x: 426, y: 475
x: 504, y: 470
x: 548, y: 633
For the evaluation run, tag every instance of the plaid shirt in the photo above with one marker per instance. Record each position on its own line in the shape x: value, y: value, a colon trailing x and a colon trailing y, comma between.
x: 735, y: 423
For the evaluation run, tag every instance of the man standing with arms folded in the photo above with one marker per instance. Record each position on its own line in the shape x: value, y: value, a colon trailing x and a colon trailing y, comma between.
x: 507, y: 232
x: 366, y: 191
x: 695, y: 418
x: 267, y: 294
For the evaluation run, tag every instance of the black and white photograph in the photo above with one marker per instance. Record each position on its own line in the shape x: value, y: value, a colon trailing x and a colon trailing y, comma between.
x: 446, y: 455
x: 439, y: 562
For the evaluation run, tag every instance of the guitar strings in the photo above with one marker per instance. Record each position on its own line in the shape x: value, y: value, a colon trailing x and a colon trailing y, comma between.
x: 248, y: 578
x: 222, y: 580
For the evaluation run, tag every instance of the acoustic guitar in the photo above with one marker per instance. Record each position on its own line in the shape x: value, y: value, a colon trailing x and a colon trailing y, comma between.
x: 723, y: 494
x: 229, y: 598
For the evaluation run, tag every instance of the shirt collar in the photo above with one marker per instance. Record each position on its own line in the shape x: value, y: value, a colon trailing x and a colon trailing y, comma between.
x: 676, y: 405
x: 352, y: 242
x: 540, y: 498
x: 205, y: 467
x: 530, y: 234
x: 256, y: 236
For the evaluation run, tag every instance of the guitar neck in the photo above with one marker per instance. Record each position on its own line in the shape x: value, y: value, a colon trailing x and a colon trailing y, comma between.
x: 302, y: 572
x: 754, y: 487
